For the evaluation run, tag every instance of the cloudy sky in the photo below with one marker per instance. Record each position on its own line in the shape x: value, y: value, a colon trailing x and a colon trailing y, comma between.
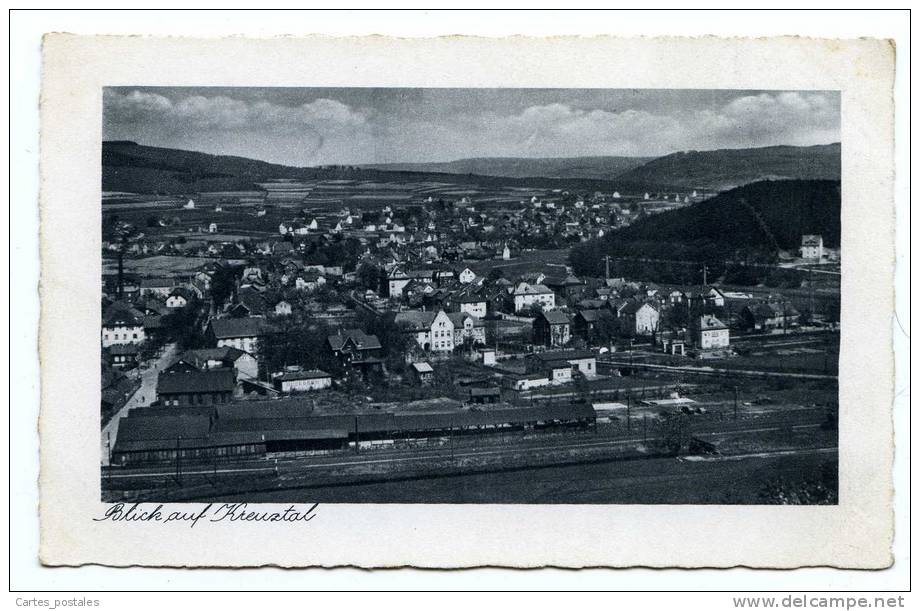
x: 366, y: 125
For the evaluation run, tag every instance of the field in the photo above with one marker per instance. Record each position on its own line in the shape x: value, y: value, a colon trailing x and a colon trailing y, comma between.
x: 159, y: 266
x: 550, y: 262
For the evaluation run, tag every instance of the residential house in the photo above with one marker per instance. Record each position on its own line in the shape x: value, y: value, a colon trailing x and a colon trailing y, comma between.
x: 467, y: 329
x: 526, y: 295
x: 283, y: 308
x: 179, y: 297
x: 768, y: 316
x: 474, y: 305
x: 122, y: 324
x: 709, y: 333
x: 432, y: 331
x: 582, y: 361
x: 552, y: 328
x: 812, y: 247
x: 466, y: 276
x: 123, y: 356
x: 156, y: 287
x: 569, y: 288
x: 244, y: 365
x: 355, y: 348
x: 240, y: 333
x: 639, y: 317
x: 590, y: 323
x: 422, y: 373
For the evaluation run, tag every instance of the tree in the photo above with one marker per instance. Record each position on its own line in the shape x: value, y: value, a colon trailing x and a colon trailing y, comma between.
x: 494, y: 274
x: 223, y: 284
x: 370, y: 276
x: 298, y: 342
x: 534, y: 310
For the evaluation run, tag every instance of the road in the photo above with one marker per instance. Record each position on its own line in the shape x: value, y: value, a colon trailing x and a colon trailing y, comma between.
x: 145, y: 395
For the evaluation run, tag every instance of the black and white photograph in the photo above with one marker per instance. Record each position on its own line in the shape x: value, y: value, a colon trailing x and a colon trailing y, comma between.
x: 470, y: 295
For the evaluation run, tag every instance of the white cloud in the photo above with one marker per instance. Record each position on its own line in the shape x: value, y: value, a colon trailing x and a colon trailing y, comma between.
x: 221, y: 112
x: 327, y: 130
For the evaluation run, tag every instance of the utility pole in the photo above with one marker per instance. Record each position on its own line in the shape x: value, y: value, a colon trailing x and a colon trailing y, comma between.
x: 606, y: 267
x: 357, y: 441
x: 704, y: 274
x: 178, y: 462
x: 644, y: 428
x: 736, y: 402
x: 628, y: 416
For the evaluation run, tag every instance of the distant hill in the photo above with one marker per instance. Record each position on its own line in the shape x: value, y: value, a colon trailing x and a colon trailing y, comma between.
x: 134, y: 168
x: 724, y: 169
x: 130, y: 167
x: 752, y: 222
x: 601, y: 168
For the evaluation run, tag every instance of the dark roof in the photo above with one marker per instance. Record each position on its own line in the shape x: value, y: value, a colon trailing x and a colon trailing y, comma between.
x: 360, y: 339
x: 157, y: 283
x: 213, y: 380
x: 417, y: 321
x: 484, y: 392
x: 313, y: 374
x: 595, y: 315
x: 199, y: 358
x: 121, y: 314
x: 635, y: 305
x: 139, y: 432
x: 564, y: 355
x: 225, y: 328
x: 555, y: 317
x: 124, y: 349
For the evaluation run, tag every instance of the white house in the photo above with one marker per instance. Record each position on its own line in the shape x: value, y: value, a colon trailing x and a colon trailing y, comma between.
x: 712, y: 334
x: 812, y: 247
x: 641, y: 317
x: 474, y: 305
x: 431, y: 331
x: 178, y: 298
x: 466, y: 276
x: 240, y: 333
x: 122, y: 325
x: 397, y: 280
x: 525, y: 295
x: 467, y: 327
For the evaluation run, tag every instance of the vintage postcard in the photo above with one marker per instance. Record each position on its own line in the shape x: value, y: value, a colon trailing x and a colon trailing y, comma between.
x: 461, y: 302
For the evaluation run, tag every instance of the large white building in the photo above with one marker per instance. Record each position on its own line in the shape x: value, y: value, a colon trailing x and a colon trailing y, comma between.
x: 431, y: 331
x: 122, y: 325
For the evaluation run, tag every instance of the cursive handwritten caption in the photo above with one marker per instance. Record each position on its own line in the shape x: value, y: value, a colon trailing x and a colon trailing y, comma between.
x: 212, y: 512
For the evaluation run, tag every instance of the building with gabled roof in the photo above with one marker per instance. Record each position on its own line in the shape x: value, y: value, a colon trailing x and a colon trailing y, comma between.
x: 355, y: 348
x: 122, y: 324
x: 188, y: 388
x: 241, y: 333
x: 552, y: 328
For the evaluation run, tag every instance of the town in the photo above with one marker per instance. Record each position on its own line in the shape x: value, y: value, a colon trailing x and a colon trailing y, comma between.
x: 305, y: 320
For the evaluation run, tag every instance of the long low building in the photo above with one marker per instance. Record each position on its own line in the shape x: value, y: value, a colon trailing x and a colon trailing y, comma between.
x: 259, y: 427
